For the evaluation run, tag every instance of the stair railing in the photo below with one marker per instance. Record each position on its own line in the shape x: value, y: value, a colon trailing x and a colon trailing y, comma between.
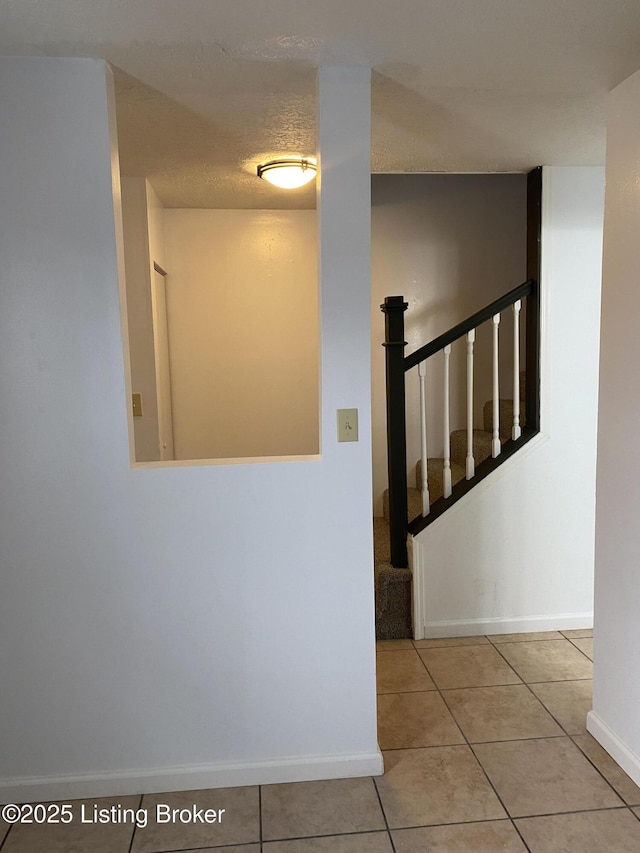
x: 397, y: 365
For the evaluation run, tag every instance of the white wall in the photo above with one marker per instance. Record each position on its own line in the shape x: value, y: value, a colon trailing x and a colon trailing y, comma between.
x: 449, y: 244
x: 167, y: 627
x: 242, y: 305
x: 138, y: 265
x: 615, y: 721
x: 517, y: 552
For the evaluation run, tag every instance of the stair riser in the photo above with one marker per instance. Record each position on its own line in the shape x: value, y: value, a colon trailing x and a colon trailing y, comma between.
x: 506, y: 417
x: 434, y: 472
x: 481, y: 446
x: 414, y: 504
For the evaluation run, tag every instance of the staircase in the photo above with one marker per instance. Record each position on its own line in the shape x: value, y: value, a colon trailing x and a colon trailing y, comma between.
x: 393, y: 585
x: 470, y: 454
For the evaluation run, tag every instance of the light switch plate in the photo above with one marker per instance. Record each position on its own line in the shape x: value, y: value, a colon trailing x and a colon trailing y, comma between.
x: 136, y: 402
x: 347, y: 424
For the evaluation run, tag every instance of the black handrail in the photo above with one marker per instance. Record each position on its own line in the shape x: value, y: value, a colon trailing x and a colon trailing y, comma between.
x: 472, y: 322
x: 397, y: 365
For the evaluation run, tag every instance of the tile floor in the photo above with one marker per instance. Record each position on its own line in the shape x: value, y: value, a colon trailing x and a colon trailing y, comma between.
x: 485, y: 750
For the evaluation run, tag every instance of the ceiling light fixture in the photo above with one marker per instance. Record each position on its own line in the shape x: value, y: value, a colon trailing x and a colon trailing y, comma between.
x: 288, y: 173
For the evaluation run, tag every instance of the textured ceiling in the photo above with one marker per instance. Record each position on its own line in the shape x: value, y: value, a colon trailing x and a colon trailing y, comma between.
x: 206, y: 89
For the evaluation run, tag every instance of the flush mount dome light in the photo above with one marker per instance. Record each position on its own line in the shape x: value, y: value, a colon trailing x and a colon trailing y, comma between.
x: 288, y: 173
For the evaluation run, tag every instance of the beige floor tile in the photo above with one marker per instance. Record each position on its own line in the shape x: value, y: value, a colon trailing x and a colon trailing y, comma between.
x: 500, y: 713
x: 616, y: 776
x: 536, y: 777
x: 498, y: 639
x: 568, y: 701
x: 578, y: 633
x: 398, y: 672
x: 240, y: 822
x: 585, y: 646
x: 486, y: 837
x: 468, y: 666
x: 414, y: 720
x: 636, y: 811
x: 393, y: 645
x: 445, y: 642
x: 441, y: 784
x: 4, y: 828
x: 614, y: 831
x: 76, y: 836
x: 330, y: 807
x: 550, y: 660
x: 370, y: 842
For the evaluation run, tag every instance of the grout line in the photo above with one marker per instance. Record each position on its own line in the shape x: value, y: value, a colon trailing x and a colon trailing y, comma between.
x: 221, y: 848
x: 442, y: 648
x: 135, y: 828
x: 595, y: 766
x: 384, y: 815
x: 442, y: 692
x: 512, y: 668
x: 422, y: 661
x: 578, y: 647
x: 571, y: 811
x: 486, y: 775
x: 287, y: 838
x: 519, y: 680
x: 405, y: 649
x: 505, y: 819
x: 553, y: 681
x: 590, y: 637
x: 539, y: 700
x: 572, y: 736
x: 528, y: 684
x: 260, y: 834
x: 408, y: 692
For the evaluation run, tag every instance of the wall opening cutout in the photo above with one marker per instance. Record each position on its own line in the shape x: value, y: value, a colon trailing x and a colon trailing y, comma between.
x: 223, y: 329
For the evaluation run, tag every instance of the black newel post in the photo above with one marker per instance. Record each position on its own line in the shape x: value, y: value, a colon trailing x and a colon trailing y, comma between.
x: 534, y: 227
x: 394, y: 343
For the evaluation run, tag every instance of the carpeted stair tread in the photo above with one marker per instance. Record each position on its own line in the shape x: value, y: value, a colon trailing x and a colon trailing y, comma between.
x: 434, y: 474
x: 481, y: 446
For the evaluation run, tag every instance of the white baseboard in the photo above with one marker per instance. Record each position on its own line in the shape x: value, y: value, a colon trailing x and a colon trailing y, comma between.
x: 416, y: 564
x: 617, y: 749
x: 190, y: 778
x: 507, y: 625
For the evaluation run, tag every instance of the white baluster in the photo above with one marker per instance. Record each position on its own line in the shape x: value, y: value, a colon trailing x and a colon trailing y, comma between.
x: 516, y: 432
x: 471, y: 468
x: 495, y: 443
x: 446, y: 472
x: 422, y: 373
